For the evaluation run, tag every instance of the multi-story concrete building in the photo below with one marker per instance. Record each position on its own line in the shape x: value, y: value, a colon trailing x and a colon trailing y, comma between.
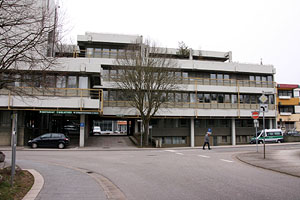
x: 288, y: 100
x: 218, y: 93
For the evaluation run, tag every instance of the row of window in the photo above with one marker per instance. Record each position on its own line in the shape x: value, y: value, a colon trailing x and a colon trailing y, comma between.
x: 216, y: 77
x: 50, y: 81
x: 203, y: 123
x: 288, y: 93
x: 192, y: 97
x: 286, y: 109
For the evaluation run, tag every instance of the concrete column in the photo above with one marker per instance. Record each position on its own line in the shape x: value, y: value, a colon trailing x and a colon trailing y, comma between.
x: 82, y: 130
x: 233, y: 135
x: 191, y: 54
x: 271, y: 123
x: 192, y: 132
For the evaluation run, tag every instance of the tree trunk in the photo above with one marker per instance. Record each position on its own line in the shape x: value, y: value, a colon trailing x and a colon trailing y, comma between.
x: 146, y: 129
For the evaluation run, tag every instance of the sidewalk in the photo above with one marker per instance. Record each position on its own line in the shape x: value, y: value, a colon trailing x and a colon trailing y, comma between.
x: 64, y: 183
x: 283, y: 161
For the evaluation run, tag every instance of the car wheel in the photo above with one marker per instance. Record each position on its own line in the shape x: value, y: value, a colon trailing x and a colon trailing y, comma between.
x: 278, y: 141
x: 260, y: 141
x: 34, y: 145
x: 61, y: 145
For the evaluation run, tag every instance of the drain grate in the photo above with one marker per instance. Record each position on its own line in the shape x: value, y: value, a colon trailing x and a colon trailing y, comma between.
x: 89, y: 172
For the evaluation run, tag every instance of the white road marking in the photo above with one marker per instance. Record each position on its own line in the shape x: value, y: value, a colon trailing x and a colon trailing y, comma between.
x: 226, y: 160
x: 171, y: 151
x: 203, y: 156
x: 179, y: 153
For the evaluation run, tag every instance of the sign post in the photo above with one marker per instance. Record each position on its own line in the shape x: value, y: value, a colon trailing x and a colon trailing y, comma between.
x: 263, y: 99
x: 255, y: 116
x: 13, y: 146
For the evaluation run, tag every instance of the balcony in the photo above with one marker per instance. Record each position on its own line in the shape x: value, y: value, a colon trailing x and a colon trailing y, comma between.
x: 193, y: 105
x: 211, y: 82
x: 58, y: 99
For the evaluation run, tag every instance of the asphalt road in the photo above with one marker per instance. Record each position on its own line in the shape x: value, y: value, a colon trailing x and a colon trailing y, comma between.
x: 176, y: 174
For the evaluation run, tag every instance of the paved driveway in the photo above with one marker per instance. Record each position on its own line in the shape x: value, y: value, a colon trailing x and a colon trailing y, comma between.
x: 108, y: 141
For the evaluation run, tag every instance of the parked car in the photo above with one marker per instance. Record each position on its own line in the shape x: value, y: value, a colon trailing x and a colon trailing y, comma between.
x: 272, y: 135
x: 293, y: 133
x: 96, y: 130
x: 50, y: 140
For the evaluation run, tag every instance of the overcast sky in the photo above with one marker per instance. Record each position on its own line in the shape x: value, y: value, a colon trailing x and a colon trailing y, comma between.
x: 251, y: 29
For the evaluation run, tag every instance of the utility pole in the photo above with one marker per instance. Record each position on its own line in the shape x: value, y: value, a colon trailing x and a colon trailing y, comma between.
x: 13, y: 146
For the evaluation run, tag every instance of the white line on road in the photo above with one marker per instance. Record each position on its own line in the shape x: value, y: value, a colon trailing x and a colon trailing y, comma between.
x: 171, y: 151
x: 203, y: 156
x: 226, y: 160
x: 179, y: 153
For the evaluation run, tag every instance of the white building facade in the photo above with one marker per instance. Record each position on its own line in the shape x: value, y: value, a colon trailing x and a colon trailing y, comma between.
x: 214, y: 93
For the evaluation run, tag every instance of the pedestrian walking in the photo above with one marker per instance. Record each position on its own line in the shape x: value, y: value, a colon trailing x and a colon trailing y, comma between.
x: 206, y: 139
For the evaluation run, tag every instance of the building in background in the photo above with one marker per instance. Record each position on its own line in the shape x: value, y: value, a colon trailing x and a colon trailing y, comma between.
x: 288, y: 99
x: 218, y: 93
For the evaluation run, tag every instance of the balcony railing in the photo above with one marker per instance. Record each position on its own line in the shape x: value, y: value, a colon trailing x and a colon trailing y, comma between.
x: 44, y: 94
x: 209, y: 81
x: 193, y: 105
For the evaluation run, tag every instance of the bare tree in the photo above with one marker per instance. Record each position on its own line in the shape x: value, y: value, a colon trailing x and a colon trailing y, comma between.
x: 28, y: 30
x: 148, y: 75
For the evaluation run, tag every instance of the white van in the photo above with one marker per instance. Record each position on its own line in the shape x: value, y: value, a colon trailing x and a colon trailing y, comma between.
x: 272, y: 135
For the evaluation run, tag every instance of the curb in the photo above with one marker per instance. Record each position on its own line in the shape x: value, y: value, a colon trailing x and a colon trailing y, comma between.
x: 37, y: 185
x: 265, y: 168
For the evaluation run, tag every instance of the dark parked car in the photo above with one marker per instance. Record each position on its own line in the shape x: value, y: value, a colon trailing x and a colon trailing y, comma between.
x: 50, y: 140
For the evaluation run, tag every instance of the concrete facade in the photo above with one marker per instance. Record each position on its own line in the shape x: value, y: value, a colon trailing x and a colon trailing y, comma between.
x: 214, y: 93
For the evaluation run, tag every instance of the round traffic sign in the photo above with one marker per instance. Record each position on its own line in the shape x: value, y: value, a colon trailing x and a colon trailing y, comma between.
x: 255, y: 115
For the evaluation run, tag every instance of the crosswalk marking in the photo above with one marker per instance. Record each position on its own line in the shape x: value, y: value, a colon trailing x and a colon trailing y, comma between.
x: 179, y: 153
x: 226, y: 160
x: 203, y: 156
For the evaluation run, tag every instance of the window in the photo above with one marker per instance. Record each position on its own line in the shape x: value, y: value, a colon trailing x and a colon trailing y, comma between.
x: 220, y: 98
x: 178, y: 97
x: 105, y: 95
x: 105, y: 53
x: 183, y: 123
x: 258, y: 79
x: 253, y: 99
x: 224, y: 139
x: 72, y: 82
x: 56, y: 135
x: 214, y: 98
x: 247, y: 98
x: 213, y: 78
x: 220, y: 79
x: 61, y: 81
x: 50, y: 81
x: 46, y: 136
x: 83, y: 82
x: 98, y: 53
x: 193, y: 98
x: 207, y: 98
x: 226, y: 98
x: 89, y: 52
x: 233, y: 98
x: 112, y: 95
x: 200, y: 97
x: 185, y: 97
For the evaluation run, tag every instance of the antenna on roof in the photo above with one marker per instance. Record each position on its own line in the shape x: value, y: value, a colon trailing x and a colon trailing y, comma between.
x: 261, y: 61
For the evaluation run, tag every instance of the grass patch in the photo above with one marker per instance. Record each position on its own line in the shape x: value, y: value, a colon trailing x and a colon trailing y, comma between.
x: 23, y: 181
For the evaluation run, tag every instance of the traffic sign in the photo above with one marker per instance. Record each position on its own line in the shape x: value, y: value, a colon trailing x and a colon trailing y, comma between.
x: 263, y: 107
x: 263, y: 98
x: 256, y: 123
x: 255, y: 115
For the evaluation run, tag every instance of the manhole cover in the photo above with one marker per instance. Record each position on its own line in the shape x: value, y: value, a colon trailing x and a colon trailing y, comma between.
x: 105, y: 147
x: 89, y: 172
x: 120, y: 142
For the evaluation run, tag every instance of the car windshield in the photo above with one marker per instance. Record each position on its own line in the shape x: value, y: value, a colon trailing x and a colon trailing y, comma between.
x: 96, y: 128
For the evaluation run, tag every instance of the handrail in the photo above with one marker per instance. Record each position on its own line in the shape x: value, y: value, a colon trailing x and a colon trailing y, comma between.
x: 41, y: 93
